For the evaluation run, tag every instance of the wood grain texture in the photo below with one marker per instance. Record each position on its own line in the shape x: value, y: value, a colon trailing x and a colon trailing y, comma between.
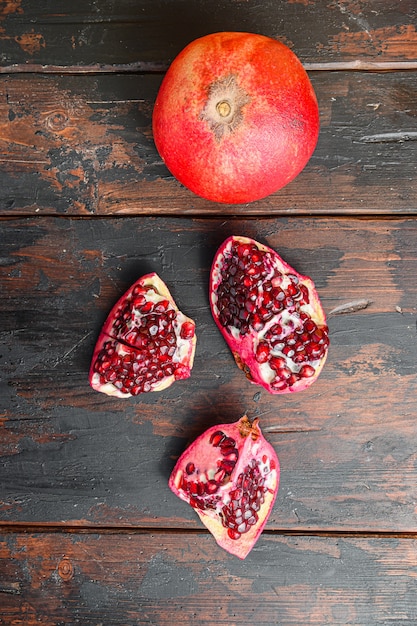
x: 125, y: 32
x: 162, y: 579
x: 91, y: 533
x: 347, y: 445
x: 83, y: 146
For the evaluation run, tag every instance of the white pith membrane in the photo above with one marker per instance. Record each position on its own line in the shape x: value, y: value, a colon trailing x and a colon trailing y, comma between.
x: 289, y: 334
x: 233, y: 504
x: 127, y: 326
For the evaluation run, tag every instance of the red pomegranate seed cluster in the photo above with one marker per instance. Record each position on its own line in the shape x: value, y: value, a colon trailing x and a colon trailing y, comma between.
x: 202, y: 486
x: 255, y: 297
x: 245, y: 501
x: 141, y: 349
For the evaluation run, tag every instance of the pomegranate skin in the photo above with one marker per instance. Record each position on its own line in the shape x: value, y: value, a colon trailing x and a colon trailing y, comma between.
x: 269, y: 315
x: 145, y: 344
x: 230, y: 476
x: 236, y: 117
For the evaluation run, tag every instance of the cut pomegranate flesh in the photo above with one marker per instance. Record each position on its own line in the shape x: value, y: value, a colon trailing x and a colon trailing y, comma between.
x: 146, y: 342
x: 230, y: 476
x: 269, y: 314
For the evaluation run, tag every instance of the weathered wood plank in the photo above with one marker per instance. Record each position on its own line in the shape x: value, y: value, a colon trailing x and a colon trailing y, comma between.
x: 83, y: 146
x: 347, y: 445
x: 133, y: 580
x: 127, y: 32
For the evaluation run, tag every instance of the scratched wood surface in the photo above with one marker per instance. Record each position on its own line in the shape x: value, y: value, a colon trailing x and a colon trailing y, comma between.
x: 89, y: 531
x: 82, y: 145
x: 347, y: 445
x: 155, y: 579
x: 148, y: 34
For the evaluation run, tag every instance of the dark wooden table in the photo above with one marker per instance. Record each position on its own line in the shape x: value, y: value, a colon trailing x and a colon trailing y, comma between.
x: 90, y: 532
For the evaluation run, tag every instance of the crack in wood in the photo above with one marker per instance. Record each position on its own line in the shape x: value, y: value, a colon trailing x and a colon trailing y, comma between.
x: 394, y: 137
x: 150, y: 67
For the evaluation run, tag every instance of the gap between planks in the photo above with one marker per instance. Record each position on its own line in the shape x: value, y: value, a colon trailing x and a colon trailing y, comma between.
x: 208, y: 215
x: 157, y: 68
x: 63, y: 528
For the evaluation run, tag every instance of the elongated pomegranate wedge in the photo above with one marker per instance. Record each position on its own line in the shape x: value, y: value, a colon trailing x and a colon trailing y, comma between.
x: 230, y: 476
x: 269, y: 314
x: 145, y: 344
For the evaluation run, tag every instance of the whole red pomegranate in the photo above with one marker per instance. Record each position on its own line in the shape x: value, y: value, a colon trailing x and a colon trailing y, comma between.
x: 230, y: 476
x: 146, y: 342
x: 236, y: 117
x: 269, y: 314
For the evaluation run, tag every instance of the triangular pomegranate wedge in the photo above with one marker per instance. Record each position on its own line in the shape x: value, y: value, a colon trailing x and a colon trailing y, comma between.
x: 146, y: 342
x: 270, y: 316
x: 230, y: 476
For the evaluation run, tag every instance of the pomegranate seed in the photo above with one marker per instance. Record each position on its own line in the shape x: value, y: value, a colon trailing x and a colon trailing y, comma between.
x: 284, y: 374
x: 227, y: 465
x: 300, y: 357
x: 232, y: 455
x: 306, y: 371
x: 277, y: 362
x: 291, y: 340
x: 244, y: 315
x: 187, y: 330
x: 314, y: 350
x: 139, y: 289
x: 139, y: 301
x: 227, y: 442
x: 190, y: 468
x: 193, y: 488
x: 217, y: 437
x: 243, y: 249
x: 181, y: 372
x: 262, y: 352
x: 309, y: 326
x: 267, y: 300
x: 153, y: 330
x: 256, y: 322
x: 293, y: 379
x: 292, y: 290
x: 219, y: 476
x: 161, y: 306
x: 211, y: 486
x: 146, y: 308
x: 305, y: 294
x: 264, y: 313
x: 288, y: 351
x: 253, y: 271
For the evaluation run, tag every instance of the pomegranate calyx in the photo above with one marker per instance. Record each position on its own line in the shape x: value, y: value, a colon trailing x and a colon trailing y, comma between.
x: 246, y: 427
x: 223, y: 109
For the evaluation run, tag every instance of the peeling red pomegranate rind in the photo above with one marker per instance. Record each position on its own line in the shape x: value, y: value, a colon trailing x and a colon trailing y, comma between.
x: 230, y: 476
x: 146, y: 342
x: 269, y: 314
